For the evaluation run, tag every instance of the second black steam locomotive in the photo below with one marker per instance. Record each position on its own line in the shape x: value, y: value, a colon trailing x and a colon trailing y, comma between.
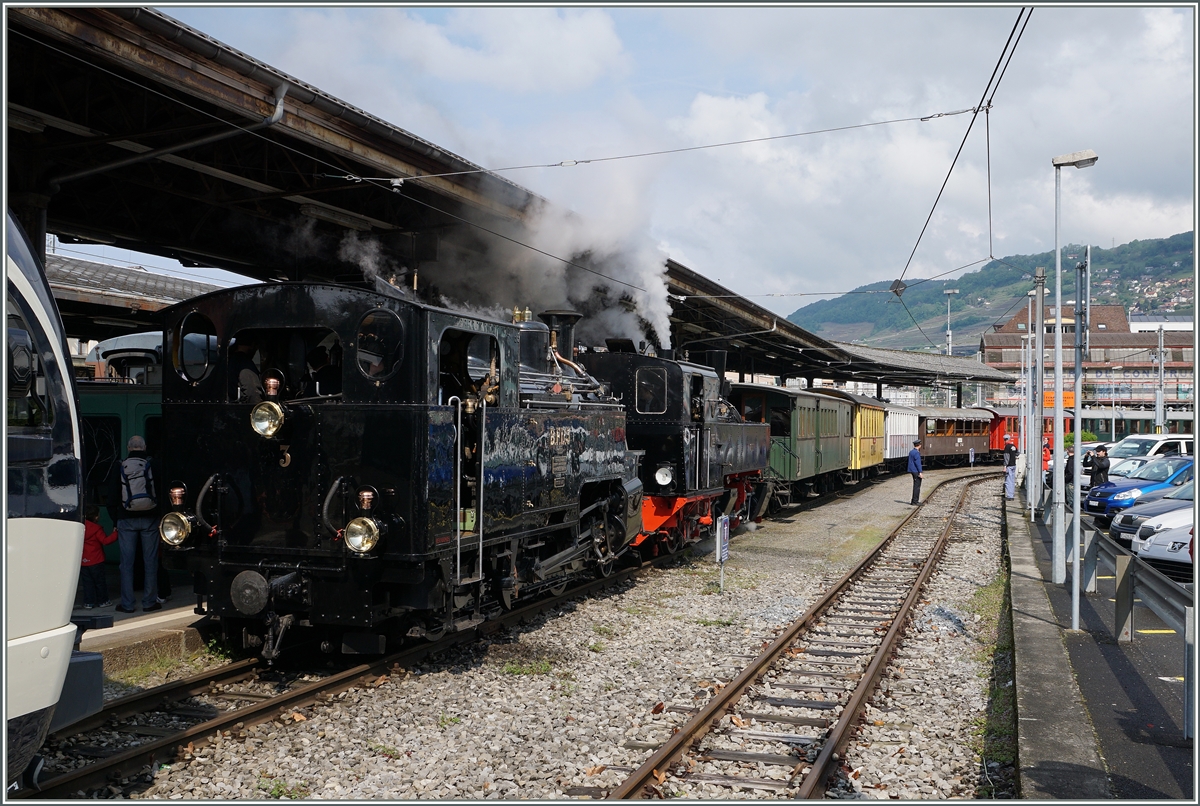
x: 358, y: 467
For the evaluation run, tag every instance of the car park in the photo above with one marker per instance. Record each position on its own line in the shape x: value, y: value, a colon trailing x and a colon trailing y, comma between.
x: 1170, y: 553
x: 1124, y: 527
x: 1115, y: 496
x: 1161, y: 523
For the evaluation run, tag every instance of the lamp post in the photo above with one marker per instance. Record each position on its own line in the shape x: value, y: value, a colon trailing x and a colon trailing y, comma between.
x: 1079, y: 159
x: 949, y: 339
x: 1029, y: 400
x: 1082, y: 324
x: 1114, y: 402
x: 1160, y: 420
x: 1039, y: 379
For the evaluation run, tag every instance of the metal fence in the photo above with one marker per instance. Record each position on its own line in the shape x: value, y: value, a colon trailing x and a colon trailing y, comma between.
x: 1171, y: 602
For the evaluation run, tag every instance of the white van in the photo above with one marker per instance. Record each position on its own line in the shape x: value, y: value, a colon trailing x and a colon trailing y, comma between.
x: 1152, y: 445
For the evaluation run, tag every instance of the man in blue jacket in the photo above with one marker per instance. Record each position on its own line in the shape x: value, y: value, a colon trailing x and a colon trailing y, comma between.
x: 914, y: 467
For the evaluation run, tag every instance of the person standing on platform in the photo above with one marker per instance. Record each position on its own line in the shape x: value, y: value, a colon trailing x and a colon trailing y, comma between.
x: 133, y: 506
x: 914, y: 467
x: 91, y: 568
x: 1010, y: 468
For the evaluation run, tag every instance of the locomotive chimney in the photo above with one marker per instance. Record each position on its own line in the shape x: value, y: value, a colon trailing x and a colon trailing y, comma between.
x: 562, y: 323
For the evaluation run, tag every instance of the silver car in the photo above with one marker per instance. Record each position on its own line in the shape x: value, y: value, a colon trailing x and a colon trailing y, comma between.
x: 1170, y: 553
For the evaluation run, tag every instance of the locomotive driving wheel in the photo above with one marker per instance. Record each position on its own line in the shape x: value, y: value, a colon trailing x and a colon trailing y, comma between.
x: 673, y: 541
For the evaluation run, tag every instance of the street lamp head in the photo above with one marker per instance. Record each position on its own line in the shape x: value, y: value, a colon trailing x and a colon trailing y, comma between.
x: 950, y: 291
x: 1080, y: 159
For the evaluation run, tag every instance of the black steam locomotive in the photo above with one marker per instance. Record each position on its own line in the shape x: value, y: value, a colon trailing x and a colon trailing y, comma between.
x: 702, y: 460
x: 369, y: 467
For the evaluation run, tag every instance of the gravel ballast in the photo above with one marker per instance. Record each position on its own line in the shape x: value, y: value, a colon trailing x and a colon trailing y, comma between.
x: 576, y: 699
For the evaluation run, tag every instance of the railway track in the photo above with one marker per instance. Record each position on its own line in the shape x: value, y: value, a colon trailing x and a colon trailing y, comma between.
x: 794, y: 706
x: 122, y: 744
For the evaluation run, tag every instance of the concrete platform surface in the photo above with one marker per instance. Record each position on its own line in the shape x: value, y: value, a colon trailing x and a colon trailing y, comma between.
x: 1098, y: 718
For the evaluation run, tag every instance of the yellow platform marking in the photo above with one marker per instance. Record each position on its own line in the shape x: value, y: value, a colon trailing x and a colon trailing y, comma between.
x: 1156, y: 632
x: 1106, y: 577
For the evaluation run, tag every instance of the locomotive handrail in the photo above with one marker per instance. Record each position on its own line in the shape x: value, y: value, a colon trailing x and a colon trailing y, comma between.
x: 333, y: 488
x: 200, y: 501
x: 456, y: 401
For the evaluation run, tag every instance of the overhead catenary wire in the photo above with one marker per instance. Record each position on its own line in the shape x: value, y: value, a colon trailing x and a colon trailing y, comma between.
x: 661, y: 152
x: 984, y: 102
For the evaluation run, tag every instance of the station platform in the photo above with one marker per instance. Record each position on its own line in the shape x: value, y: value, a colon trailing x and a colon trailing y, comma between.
x: 137, y: 638
x: 1098, y: 719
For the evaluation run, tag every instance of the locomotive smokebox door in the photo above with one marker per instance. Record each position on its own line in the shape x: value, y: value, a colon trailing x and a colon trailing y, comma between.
x: 249, y: 592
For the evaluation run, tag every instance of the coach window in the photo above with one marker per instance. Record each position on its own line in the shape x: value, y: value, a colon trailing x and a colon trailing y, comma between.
x: 651, y: 397
x: 752, y: 408
x: 781, y: 422
x: 380, y: 344
x: 194, y: 346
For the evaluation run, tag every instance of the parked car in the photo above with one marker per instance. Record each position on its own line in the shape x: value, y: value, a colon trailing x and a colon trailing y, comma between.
x: 1170, y: 553
x: 1162, y: 523
x: 1152, y: 445
x: 1123, y: 467
x: 1114, y: 496
x: 1125, y: 526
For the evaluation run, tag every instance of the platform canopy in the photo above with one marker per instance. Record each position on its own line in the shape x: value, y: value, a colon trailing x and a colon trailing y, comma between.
x: 127, y: 127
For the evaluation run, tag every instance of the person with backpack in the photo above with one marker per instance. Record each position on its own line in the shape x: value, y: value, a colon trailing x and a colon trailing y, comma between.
x: 133, y: 506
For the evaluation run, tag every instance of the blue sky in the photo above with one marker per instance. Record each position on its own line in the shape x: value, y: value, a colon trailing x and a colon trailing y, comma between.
x: 806, y: 215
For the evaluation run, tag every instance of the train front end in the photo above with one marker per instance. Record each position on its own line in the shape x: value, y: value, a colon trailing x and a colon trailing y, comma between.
x: 294, y: 494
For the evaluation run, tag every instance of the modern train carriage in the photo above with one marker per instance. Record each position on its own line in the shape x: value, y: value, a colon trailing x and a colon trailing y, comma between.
x: 953, y: 436
x: 810, y: 437
x: 357, y: 467
x: 701, y: 458
x: 867, y: 434
x: 43, y: 534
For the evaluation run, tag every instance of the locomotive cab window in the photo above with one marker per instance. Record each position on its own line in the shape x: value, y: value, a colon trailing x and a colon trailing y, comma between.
x: 194, y: 347
x: 469, y: 364
x: 651, y: 396
x: 285, y: 363
x: 379, y: 344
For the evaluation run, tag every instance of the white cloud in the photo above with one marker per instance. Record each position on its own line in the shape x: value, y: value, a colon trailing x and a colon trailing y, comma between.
x: 506, y: 86
x: 519, y: 50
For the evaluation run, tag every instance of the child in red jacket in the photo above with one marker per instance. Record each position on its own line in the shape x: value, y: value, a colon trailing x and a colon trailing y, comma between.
x: 91, y: 571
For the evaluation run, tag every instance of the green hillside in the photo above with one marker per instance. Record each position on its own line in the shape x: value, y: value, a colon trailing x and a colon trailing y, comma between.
x: 1150, y: 276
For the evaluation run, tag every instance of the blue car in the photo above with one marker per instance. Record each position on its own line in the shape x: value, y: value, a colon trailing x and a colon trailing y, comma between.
x: 1111, y: 498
